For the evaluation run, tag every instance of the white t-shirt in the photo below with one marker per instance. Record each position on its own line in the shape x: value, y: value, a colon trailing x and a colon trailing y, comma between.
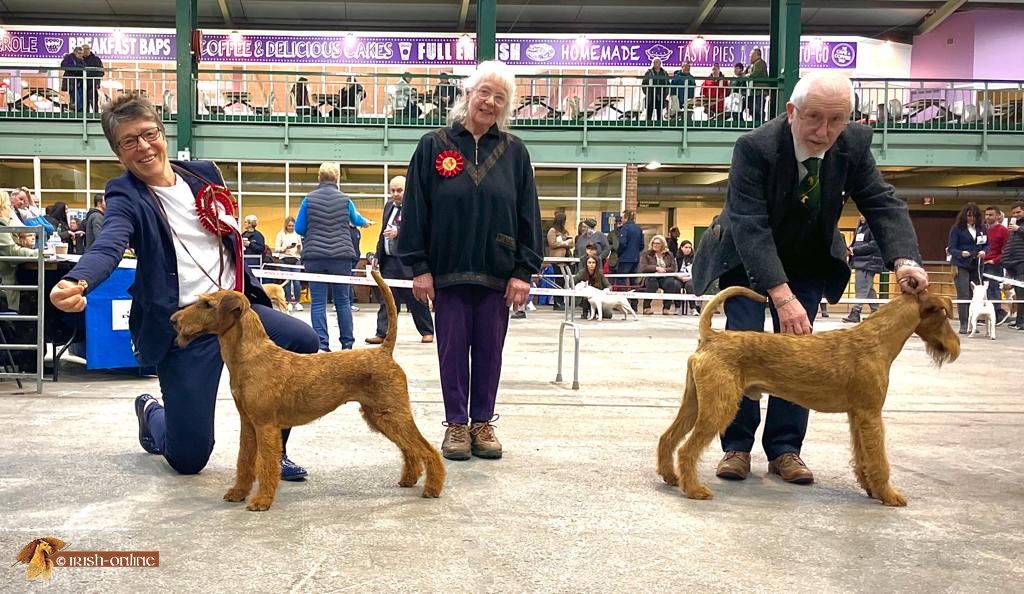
x: 205, y: 247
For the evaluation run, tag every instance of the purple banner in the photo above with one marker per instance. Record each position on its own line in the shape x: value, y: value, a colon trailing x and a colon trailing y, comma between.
x: 425, y: 50
x: 339, y: 49
x: 48, y: 45
x: 638, y: 53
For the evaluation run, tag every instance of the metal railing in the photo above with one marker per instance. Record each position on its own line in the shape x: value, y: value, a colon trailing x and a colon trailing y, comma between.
x: 545, y: 101
x: 8, y: 367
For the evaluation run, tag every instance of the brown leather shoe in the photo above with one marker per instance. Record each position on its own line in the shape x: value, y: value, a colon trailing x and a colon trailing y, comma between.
x: 427, y: 338
x: 375, y: 340
x: 456, y: 442
x: 648, y: 311
x: 792, y: 469
x: 734, y: 466
x: 485, y: 444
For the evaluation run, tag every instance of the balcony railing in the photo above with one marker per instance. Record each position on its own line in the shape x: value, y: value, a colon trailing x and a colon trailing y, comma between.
x: 544, y: 101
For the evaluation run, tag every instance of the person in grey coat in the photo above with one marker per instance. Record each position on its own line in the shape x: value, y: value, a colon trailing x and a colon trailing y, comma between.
x: 94, y: 221
x: 588, y: 234
x: 866, y: 260
x: 778, y: 234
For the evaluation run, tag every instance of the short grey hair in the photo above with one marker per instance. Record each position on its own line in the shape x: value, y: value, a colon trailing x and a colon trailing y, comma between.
x: 491, y: 70
x: 126, y: 108
x: 329, y: 171
x: 824, y: 82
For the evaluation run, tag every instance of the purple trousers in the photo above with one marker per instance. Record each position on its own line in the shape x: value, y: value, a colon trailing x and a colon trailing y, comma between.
x: 470, y: 323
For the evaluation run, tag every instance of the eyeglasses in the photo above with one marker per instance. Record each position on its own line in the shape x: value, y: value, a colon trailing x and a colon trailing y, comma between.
x: 150, y: 135
x: 818, y: 120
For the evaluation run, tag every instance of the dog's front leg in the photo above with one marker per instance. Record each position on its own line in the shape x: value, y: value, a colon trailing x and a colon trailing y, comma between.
x: 245, y: 467
x: 871, y: 437
x: 268, y: 467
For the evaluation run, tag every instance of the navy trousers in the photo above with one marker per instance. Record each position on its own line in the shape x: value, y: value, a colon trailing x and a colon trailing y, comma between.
x: 183, y: 428
x: 472, y: 322
x: 391, y: 267
x: 786, y: 423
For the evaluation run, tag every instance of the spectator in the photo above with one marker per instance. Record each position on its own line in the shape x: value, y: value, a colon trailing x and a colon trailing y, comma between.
x: 405, y: 102
x: 997, y: 237
x: 968, y: 245
x: 758, y: 71
x: 1013, y: 258
x: 737, y: 93
x: 94, y: 221
x: 471, y: 234
x: 92, y: 83
x: 288, y: 249
x: 590, y: 235
x: 590, y: 271
x: 173, y: 270
x: 352, y: 94
x: 684, y: 87
x: 391, y: 267
x: 254, y: 243
x: 684, y: 262
x: 784, y: 241
x: 673, y: 242
x: 300, y: 95
x: 28, y: 214
x: 658, y: 260
x: 324, y: 220
x: 866, y: 261
x: 445, y: 93
x: 655, y: 84
x: 560, y: 244
x: 76, y: 238
x: 71, y: 82
x: 10, y: 246
x: 57, y: 215
x: 631, y: 243
x: 713, y: 91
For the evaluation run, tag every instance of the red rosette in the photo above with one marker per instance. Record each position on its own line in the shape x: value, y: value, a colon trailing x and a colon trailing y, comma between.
x: 449, y: 163
x: 212, y: 202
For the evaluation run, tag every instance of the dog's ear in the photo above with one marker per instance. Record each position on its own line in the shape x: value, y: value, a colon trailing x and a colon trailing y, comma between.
x: 933, y: 304
x: 231, y: 305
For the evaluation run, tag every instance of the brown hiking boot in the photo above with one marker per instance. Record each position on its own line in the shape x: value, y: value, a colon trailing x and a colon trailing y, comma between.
x: 456, y: 442
x: 485, y: 444
x: 375, y: 340
x: 792, y: 469
x: 734, y: 466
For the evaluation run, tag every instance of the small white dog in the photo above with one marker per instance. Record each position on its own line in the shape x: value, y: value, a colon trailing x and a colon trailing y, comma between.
x: 601, y: 300
x: 982, y: 309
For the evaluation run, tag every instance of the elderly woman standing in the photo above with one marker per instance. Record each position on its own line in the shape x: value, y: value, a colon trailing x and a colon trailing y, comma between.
x: 177, y: 218
x: 657, y: 259
x: 471, y: 233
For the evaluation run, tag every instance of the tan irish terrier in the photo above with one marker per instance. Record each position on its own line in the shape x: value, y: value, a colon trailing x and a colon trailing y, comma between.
x: 274, y: 388
x: 840, y: 371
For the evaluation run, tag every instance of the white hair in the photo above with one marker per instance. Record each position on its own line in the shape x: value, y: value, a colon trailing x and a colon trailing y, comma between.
x: 824, y: 82
x: 398, y: 179
x: 491, y: 70
x: 329, y: 171
x: 251, y: 219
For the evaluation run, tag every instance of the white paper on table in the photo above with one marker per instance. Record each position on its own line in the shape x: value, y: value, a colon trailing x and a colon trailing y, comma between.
x: 119, y: 310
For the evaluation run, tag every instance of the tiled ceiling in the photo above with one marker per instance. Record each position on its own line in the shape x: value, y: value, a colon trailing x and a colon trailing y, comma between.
x: 889, y: 19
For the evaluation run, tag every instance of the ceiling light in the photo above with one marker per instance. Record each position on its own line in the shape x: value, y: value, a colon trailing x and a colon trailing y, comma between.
x: 653, y: 165
x: 885, y: 50
x: 235, y: 36
x: 118, y: 34
x: 698, y: 43
x: 815, y: 44
x: 465, y: 40
x: 350, y: 39
x: 581, y: 40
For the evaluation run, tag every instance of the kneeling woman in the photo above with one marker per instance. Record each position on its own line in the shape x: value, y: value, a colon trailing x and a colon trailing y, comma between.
x: 658, y: 259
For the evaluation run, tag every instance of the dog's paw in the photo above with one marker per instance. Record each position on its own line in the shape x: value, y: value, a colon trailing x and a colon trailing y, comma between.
x: 236, y: 495
x: 429, y: 493
x: 893, y: 498
x: 700, y: 492
x: 670, y: 478
x: 259, y: 503
x: 408, y: 482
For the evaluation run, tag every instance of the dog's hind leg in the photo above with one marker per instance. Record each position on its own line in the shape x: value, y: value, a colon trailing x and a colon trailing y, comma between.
x: 871, y: 437
x: 717, y: 401
x: 399, y: 427
x: 268, y: 467
x: 245, y: 467
x: 675, y: 433
x: 858, y: 458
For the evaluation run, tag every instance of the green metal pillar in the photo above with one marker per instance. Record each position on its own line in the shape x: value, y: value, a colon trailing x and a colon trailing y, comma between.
x: 784, y: 51
x: 486, y: 29
x: 186, y: 21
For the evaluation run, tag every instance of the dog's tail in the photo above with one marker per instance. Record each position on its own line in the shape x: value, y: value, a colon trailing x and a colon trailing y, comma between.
x: 712, y: 306
x: 389, y: 300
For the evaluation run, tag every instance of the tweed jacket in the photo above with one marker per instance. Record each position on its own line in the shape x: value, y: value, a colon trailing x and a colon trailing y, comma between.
x: 762, y: 188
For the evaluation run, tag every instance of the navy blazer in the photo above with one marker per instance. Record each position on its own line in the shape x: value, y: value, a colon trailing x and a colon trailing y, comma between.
x: 631, y: 242
x: 762, y: 183
x: 388, y: 209
x: 133, y: 219
x: 961, y: 240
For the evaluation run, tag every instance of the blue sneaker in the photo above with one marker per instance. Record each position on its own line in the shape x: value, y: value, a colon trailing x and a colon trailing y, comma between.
x: 291, y: 471
x: 145, y: 437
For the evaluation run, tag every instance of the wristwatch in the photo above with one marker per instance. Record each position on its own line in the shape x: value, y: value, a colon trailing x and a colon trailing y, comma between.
x: 901, y: 262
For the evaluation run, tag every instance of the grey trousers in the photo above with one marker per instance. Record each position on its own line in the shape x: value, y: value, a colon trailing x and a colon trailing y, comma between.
x: 864, y: 286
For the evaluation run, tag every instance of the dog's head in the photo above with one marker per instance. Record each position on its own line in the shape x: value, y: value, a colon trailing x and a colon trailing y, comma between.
x: 941, y: 342
x: 979, y: 292
x: 213, y: 313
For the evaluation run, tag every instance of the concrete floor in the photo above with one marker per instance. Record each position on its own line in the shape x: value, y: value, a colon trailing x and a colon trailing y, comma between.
x: 574, y: 506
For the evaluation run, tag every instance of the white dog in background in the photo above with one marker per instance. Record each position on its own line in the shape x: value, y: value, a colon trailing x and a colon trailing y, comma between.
x: 981, y: 309
x: 601, y: 300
